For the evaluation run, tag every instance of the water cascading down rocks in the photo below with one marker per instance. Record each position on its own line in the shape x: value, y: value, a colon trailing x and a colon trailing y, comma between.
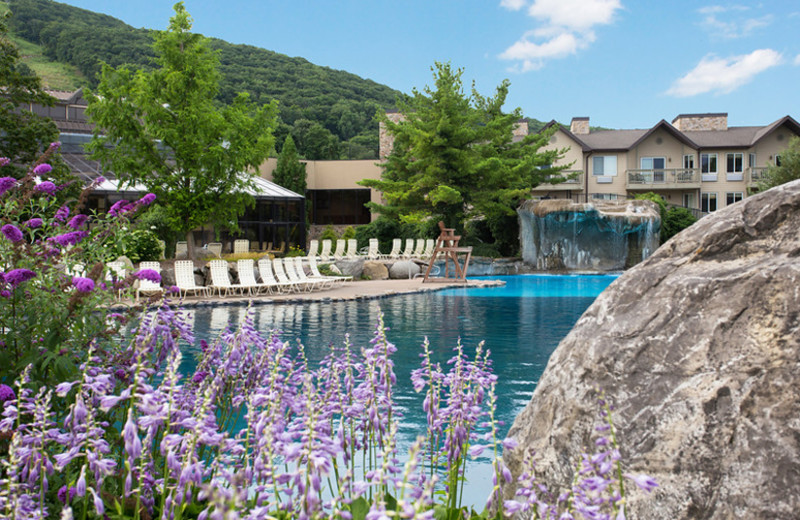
x: 602, y: 235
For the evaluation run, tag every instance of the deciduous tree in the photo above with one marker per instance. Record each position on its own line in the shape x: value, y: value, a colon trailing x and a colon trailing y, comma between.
x: 163, y: 129
x: 788, y: 170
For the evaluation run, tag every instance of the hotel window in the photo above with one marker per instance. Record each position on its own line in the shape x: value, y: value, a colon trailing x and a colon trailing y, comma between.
x: 655, y: 165
x: 708, y: 166
x: 688, y: 162
x: 732, y: 197
x: 604, y: 167
x: 751, y: 160
x: 688, y: 200
x: 735, y: 166
x: 708, y: 202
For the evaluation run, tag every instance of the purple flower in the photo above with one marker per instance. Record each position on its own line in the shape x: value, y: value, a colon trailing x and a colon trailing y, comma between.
x: 147, y: 199
x: 83, y: 285
x: 118, y: 208
x: 63, y: 492
x: 645, y: 482
x: 62, y: 214
x: 46, y: 187
x: 17, y: 276
x: 4, y: 161
x: 34, y: 223
x: 12, y: 232
x: 6, y: 393
x: 6, y: 183
x: 5, y: 293
x: 55, y: 145
x: 77, y: 221
x: 71, y: 238
x: 42, y: 169
x: 148, y: 274
x: 199, y: 376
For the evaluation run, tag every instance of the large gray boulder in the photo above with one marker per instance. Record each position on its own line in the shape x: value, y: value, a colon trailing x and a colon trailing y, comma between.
x: 403, y: 270
x: 375, y: 270
x: 351, y: 266
x: 698, y: 347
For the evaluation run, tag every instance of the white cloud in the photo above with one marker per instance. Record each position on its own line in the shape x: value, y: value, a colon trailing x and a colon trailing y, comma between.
x: 724, y: 75
x: 565, y: 27
x: 797, y: 60
x: 731, y: 21
x: 513, y: 5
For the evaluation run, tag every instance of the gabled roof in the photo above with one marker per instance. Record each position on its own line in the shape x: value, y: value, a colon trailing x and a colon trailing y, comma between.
x: 564, y: 129
x: 677, y: 134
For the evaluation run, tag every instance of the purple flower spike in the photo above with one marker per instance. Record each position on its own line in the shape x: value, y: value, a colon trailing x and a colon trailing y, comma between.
x: 645, y: 482
x: 71, y: 238
x: 83, y: 285
x: 55, y: 145
x: 6, y: 393
x: 118, y: 208
x: 62, y: 214
x: 34, y: 223
x: 148, y: 274
x: 17, y: 276
x: 147, y: 199
x: 4, y: 161
x: 11, y: 232
x: 5, y: 293
x: 46, y: 187
x: 77, y: 221
x: 42, y: 169
x: 6, y: 183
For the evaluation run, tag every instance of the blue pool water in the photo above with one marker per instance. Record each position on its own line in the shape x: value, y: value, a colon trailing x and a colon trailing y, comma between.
x: 521, y: 323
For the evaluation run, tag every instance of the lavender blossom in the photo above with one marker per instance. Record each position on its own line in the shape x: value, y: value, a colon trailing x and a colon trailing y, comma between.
x: 70, y: 239
x: 34, y: 223
x: 6, y: 393
x: 61, y: 214
x: 42, y: 169
x: 6, y: 183
x: 77, y: 221
x: 84, y: 285
x: 147, y: 199
x: 46, y: 187
x: 148, y: 274
x: 17, y: 276
x: 4, y: 161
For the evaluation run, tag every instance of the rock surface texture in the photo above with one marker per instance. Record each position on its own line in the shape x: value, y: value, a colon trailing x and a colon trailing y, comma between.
x: 698, y: 348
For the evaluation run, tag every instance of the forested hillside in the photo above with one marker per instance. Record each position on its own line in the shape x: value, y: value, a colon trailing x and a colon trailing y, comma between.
x: 329, y: 112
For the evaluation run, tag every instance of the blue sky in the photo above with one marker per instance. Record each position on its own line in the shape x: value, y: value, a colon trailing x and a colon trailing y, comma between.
x: 624, y: 64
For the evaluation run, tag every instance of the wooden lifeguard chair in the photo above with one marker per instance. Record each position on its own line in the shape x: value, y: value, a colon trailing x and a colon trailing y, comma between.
x: 447, y: 245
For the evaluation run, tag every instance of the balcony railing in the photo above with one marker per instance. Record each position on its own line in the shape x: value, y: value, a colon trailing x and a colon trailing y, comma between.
x: 573, y: 181
x: 678, y: 178
x: 756, y: 174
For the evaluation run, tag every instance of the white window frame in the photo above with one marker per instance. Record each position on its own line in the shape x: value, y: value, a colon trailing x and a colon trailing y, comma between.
x: 608, y: 169
x: 751, y: 160
x: 688, y: 161
x: 735, y: 195
x: 688, y: 200
x: 707, y: 197
x: 734, y: 174
x: 658, y: 173
x: 707, y: 173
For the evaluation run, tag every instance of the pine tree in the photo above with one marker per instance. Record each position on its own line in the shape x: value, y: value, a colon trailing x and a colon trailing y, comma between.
x: 290, y: 172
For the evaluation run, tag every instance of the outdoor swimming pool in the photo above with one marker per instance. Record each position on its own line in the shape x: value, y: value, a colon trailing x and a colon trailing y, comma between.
x: 522, y: 323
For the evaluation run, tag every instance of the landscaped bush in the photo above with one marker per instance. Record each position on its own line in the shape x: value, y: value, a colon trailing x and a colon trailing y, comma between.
x: 53, y: 289
x: 328, y: 234
x: 141, y: 245
x: 676, y: 220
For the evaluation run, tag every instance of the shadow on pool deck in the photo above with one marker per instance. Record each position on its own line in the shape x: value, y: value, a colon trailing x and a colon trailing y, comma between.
x: 356, y: 290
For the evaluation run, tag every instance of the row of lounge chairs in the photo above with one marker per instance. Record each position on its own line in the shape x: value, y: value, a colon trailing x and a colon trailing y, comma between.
x: 421, y: 249
x: 277, y: 276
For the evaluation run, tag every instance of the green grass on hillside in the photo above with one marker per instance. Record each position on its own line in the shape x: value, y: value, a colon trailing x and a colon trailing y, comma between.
x: 55, y: 75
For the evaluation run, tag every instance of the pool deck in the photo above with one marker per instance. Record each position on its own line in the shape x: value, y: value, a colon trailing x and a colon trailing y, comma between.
x: 354, y: 290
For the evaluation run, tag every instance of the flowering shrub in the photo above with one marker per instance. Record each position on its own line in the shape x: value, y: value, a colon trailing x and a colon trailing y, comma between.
x: 255, y: 432
x: 53, y: 287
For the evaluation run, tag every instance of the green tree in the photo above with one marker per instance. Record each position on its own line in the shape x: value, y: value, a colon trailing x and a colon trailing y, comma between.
x: 788, y: 170
x: 454, y: 157
x: 290, y: 172
x: 25, y: 135
x: 314, y: 141
x: 162, y: 128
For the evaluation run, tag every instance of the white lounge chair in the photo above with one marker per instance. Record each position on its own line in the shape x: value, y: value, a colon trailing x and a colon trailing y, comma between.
x: 307, y: 285
x: 268, y: 278
x: 373, y: 251
x: 394, y: 254
x: 247, y: 276
x: 220, y: 281
x: 184, y: 279
x: 325, y: 254
x: 408, y: 252
x: 430, y: 245
x: 241, y: 246
x: 341, y: 245
x: 419, y: 250
x: 313, y: 248
x: 181, y: 248
x: 283, y: 278
x: 316, y: 275
x: 147, y: 286
x: 319, y: 282
x: 215, y: 248
x: 352, y: 248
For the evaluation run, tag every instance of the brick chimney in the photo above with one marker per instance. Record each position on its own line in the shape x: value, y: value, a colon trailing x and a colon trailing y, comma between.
x: 520, y: 130
x: 579, y: 126
x: 701, y: 122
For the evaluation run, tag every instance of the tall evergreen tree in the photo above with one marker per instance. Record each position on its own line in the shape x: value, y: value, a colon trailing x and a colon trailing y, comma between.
x: 454, y: 156
x: 290, y: 172
x: 164, y: 129
x: 24, y: 135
